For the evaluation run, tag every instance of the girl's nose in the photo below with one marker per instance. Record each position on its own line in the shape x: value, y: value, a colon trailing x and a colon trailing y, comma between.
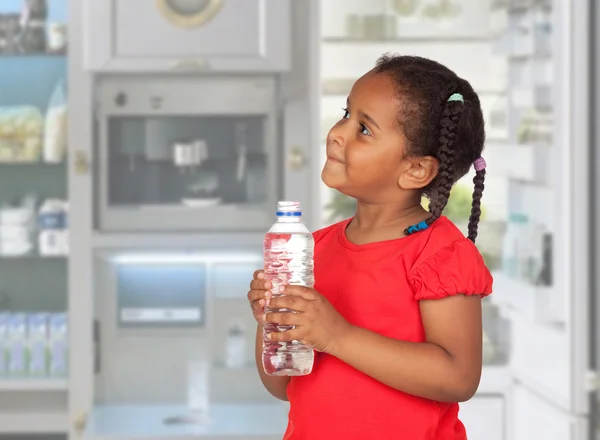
x: 336, y: 135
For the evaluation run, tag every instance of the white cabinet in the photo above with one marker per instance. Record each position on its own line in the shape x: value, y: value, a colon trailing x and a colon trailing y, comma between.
x: 187, y: 35
x: 534, y: 418
x: 483, y: 418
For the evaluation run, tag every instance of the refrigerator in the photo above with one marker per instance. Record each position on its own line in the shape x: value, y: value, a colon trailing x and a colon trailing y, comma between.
x: 551, y: 60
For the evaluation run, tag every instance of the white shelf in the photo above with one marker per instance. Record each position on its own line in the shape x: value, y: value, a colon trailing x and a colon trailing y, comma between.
x: 33, y: 406
x: 33, y: 423
x: 231, y: 422
x: 160, y: 241
x: 33, y: 385
x: 473, y: 60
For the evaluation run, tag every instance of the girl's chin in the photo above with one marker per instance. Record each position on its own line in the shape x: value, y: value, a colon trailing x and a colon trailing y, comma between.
x: 329, y: 180
x: 335, y: 185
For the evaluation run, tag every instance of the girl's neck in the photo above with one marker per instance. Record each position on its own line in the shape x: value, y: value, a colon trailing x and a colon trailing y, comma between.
x: 373, y: 223
x: 369, y: 216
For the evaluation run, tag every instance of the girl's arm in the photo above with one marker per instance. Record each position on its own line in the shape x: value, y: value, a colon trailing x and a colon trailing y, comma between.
x: 276, y: 385
x: 445, y: 368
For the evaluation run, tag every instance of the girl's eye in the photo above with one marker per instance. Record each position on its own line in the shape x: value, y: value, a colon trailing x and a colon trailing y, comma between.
x: 363, y: 128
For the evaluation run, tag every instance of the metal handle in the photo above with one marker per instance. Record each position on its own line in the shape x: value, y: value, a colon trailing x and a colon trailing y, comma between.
x: 97, y: 348
x: 80, y: 424
x: 296, y: 159
x: 81, y: 163
x: 189, y: 65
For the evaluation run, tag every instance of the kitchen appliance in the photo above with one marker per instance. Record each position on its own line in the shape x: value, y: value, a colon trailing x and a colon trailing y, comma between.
x: 164, y: 311
x: 552, y: 367
x: 185, y: 153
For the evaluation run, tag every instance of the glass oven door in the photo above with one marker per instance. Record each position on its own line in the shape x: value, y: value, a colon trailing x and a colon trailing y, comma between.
x: 187, y: 154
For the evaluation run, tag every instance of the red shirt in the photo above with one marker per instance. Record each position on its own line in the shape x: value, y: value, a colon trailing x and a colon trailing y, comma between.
x: 378, y: 286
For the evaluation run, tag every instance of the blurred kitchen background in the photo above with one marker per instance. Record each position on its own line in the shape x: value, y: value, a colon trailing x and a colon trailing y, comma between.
x: 144, y: 144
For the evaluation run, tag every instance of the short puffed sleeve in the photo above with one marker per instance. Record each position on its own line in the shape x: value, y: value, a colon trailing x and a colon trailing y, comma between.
x: 456, y: 269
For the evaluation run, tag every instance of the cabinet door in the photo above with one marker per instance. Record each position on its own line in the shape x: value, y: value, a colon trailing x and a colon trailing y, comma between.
x: 168, y: 35
x: 483, y: 418
x: 534, y: 418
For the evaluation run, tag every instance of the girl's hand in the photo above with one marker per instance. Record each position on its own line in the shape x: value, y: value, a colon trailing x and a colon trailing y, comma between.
x: 317, y: 324
x: 260, y: 291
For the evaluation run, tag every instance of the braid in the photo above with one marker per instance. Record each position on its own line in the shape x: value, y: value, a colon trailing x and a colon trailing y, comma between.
x: 445, y: 178
x: 440, y: 115
x: 449, y: 124
x: 478, y: 181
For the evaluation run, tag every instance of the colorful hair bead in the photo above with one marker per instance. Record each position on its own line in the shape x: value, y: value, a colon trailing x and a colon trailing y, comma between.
x: 418, y: 227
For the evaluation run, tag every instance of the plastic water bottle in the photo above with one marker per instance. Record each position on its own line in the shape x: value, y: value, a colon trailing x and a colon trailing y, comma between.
x: 288, y: 259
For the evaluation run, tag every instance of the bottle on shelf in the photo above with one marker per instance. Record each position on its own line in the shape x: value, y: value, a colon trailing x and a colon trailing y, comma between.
x: 236, y: 347
x: 4, y: 346
x: 53, y: 232
x: 55, y: 128
x: 33, y: 345
x: 513, y: 258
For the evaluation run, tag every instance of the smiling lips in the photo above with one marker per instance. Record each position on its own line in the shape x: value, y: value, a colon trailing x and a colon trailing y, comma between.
x: 334, y: 159
x: 330, y: 156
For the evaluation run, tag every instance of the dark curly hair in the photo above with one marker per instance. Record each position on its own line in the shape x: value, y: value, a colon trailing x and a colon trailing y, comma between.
x: 451, y: 131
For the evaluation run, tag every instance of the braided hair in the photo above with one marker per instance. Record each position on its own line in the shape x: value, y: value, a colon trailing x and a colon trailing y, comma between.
x: 440, y: 115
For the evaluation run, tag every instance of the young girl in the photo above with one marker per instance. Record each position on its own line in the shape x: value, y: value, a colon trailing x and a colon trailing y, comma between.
x: 395, y: 315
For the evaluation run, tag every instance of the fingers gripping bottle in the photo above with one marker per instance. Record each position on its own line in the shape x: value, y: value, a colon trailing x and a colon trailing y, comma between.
x: 288, y: 259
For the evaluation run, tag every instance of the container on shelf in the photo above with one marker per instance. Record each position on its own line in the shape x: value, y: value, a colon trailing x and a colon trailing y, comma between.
x: 55, y: 130
x: 513, y: 248
x: 35, y: 10
x: 57, y: 37
x: 58, y: 345
x: 17, y: 345
x: 4, y: 346
x: 236, y: 346
x: 10, y: 27
x: 530, y: 32
x: 21, y: 129
x: 53, y: 225
x: 37, y: 350
x: 198, y: 384
x: 17, y: 223
x: 527, y: 251
x: 354, y: 26
x: 33, y: 346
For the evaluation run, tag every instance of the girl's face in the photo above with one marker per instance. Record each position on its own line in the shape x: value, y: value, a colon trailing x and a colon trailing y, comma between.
x: 366, y: 149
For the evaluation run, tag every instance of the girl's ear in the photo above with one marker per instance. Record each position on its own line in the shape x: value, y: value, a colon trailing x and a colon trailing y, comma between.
x: 418, y: 172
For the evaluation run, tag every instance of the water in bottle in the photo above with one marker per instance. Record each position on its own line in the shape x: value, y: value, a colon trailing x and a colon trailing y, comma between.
x: 288, y: 259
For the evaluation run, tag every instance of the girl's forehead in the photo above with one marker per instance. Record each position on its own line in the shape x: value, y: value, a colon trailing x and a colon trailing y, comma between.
x: 376, y: 95
x: 374, y: 88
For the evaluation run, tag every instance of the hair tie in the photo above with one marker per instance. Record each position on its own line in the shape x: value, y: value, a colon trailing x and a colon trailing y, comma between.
x: 479, y: 164
x: 418, y: 227
x: 456, y: 97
